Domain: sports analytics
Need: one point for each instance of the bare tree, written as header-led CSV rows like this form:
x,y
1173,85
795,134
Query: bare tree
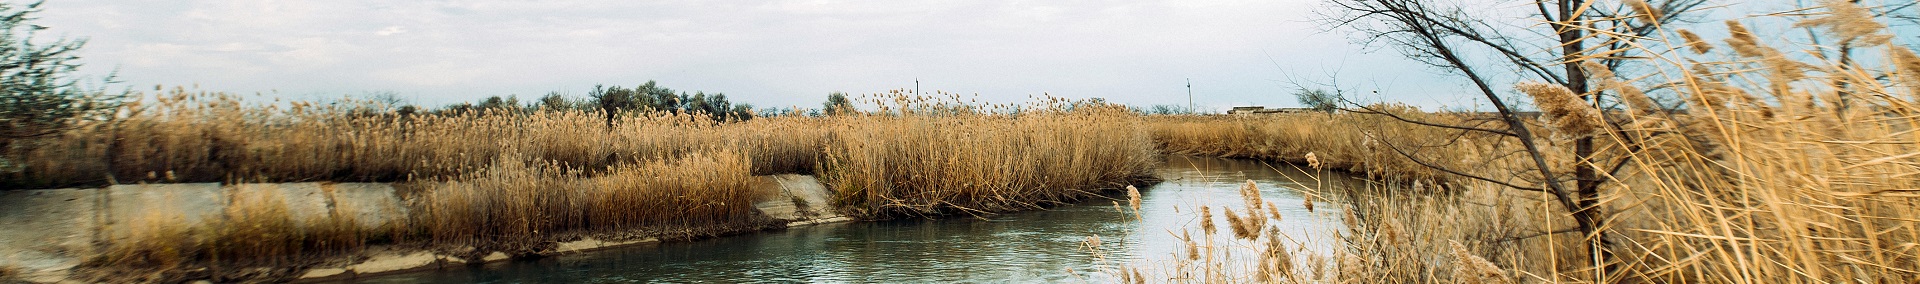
x,y
1548,44
38,96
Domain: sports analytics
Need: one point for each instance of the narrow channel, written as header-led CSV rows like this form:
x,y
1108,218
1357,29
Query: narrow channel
x,y
1038,246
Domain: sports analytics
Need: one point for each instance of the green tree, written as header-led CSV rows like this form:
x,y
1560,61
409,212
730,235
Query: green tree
x,y
612,100
496,103
555,101
837,104
1317,99
662,99
698,104
38,98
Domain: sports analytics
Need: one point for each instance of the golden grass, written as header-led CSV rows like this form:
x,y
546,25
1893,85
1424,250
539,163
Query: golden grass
x,y
1766,178
520,181
925,164
515,206
1331,139
187,136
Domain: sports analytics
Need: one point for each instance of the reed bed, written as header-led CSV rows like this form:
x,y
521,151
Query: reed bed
x,y
184,136
1343,141
932,160
517,206
518,180
1779,169
258,238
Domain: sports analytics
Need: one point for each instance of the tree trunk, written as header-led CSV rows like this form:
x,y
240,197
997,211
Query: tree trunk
x,y
1586,180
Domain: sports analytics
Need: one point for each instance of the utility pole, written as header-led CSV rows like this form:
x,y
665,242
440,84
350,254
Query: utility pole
x,y
1190,96
916,86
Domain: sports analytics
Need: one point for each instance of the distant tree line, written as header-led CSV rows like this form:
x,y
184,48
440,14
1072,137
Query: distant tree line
x,y
610,101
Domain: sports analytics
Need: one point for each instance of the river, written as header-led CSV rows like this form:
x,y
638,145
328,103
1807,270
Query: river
x,y
1038,246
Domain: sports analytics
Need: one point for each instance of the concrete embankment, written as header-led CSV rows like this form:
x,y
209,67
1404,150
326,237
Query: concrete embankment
x,y
48,233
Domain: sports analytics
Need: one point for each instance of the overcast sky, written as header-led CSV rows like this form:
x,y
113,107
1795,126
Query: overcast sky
x,y
768,53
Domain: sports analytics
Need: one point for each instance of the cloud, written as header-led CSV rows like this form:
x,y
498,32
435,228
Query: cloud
x,y
391,30
763,52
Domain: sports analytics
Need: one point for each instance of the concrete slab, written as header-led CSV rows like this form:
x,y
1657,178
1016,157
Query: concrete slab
x,y
817,221
305,202
818,198
185,204
772,200
323,273
495,256
373,205
394,262
590,244
43,233
792,197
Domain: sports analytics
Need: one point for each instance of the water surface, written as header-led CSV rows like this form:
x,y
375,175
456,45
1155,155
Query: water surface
x,y
1038,246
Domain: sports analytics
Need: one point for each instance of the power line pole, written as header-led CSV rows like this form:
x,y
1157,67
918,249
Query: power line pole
x,y
1190,96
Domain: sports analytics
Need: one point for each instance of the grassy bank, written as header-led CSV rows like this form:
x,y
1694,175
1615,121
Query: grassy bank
x,y
945,164
1778,170
518,181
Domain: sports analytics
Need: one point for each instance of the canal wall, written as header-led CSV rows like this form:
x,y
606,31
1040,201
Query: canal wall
x,y
46,234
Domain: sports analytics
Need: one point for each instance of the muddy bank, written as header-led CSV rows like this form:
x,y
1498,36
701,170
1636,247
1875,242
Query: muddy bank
x,y
61,235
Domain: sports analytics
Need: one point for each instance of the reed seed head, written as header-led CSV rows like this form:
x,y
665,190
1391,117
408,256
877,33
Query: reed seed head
x,y
1643,11
1907,65
1206,220
1699,46
1313,160
1850,22
1474,269
1743,41
1569,114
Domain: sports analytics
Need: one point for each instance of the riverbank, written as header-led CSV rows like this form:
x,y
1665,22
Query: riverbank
x,y
1035,246
1784,179
526,182
78,229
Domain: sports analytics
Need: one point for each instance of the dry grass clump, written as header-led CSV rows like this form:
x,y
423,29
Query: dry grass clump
x,y
1344,141
928,158
515,206
1776,170
257,229
182,136
518,181
155,239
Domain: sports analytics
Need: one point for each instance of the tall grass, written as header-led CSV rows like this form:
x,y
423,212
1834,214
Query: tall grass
x,y
930,160
519,182
1782,169
515,206
1334,139
183,136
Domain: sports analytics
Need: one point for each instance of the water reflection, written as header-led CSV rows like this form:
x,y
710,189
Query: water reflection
x,y
1040,246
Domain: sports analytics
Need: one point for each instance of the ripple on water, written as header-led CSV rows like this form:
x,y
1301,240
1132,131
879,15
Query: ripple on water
x,y
1022,247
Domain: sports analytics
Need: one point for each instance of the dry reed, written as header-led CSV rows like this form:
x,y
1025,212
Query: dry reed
x,y
519,181
1765,176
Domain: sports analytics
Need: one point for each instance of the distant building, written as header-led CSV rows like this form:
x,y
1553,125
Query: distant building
x,y
1265,110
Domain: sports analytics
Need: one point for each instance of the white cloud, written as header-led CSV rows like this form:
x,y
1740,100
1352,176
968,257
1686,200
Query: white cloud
x,y
764,52
391,30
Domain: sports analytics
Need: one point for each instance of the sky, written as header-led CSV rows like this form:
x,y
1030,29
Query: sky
x,y
767,53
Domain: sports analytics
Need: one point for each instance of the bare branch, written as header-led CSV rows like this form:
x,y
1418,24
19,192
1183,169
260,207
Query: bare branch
x,y
1424,163
1367,110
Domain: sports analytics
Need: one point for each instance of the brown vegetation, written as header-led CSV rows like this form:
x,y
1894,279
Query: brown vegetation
x,y
926,162
518,181
1778,171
